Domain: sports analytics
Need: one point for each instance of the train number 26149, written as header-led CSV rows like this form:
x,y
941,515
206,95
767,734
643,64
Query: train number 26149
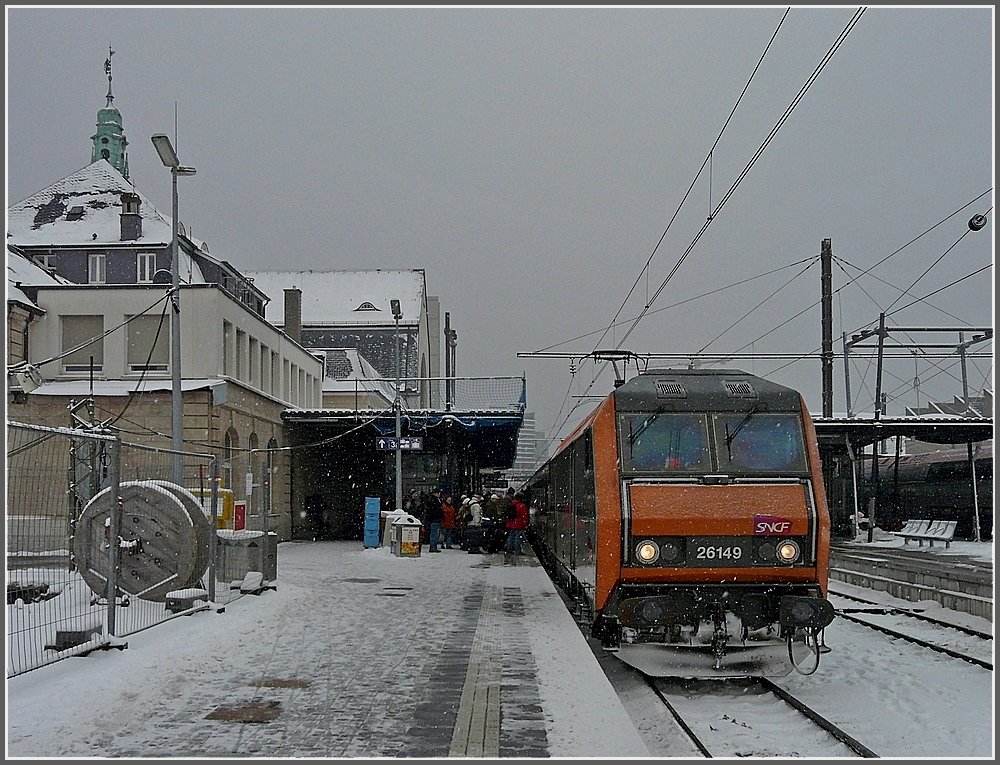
x,y
720,552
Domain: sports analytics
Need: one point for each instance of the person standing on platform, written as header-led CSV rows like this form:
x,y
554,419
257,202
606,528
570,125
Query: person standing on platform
x,y
462,517
433,515
448,522
516,526
494,530
474,529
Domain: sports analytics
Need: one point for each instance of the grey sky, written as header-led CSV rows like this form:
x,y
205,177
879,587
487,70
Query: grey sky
x,y
530,160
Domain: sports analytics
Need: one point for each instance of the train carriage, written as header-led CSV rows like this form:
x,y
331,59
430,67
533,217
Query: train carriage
x,y
687,515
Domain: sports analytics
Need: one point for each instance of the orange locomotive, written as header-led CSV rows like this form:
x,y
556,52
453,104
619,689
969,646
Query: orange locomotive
x,y
687,512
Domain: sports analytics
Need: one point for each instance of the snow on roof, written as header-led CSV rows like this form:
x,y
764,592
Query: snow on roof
x,y
44,219
347,370
24,271
117,387
344,297
47,217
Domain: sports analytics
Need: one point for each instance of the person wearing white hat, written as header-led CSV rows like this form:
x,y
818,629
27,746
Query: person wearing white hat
x,y
474,534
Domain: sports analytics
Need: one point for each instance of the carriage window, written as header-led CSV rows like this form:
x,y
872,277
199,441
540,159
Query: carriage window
x,y
754,442
666,442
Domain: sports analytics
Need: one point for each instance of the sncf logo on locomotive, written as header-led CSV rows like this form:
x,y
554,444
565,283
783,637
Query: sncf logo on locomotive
x,y
770,525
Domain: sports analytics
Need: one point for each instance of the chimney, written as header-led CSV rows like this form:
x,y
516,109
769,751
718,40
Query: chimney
x,y
293,313
131,220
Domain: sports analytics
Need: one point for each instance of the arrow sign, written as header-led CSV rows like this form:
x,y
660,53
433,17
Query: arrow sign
x,y
389,443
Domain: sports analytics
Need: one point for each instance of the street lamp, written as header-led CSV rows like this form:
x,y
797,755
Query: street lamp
x,y
397,314
169,158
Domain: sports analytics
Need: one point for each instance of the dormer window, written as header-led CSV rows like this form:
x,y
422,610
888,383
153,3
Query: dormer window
x,y
75,212
366,306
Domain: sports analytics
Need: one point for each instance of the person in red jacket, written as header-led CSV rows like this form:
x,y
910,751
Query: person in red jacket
x,y
516,526
448,522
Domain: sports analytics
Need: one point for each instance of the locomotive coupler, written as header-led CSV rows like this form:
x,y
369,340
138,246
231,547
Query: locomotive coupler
x,y
720,637
799,611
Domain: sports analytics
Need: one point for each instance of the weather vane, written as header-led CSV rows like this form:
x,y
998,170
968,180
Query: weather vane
x,y
107,71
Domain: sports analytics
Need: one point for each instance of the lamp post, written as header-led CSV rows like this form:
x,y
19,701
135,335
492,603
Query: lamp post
x,y
397,314
169,158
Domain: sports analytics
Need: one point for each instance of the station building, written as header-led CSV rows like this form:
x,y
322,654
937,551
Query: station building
x,y
292,394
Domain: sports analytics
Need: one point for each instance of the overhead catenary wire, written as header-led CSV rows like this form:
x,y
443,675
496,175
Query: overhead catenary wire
x,y
558,419
855,280
824,61
759,304
707,161
753,160
716,291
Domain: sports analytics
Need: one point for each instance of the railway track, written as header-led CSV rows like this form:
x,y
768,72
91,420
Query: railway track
x,y
941,636
751,717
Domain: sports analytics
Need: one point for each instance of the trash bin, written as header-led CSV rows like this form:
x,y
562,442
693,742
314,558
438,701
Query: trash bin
x,y
237,552
406,537
388,518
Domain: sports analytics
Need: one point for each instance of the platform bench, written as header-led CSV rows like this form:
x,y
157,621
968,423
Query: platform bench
x,y
929,531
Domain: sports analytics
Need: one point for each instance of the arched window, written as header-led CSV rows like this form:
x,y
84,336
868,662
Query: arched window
x,y
229,458
268,482
366,306
253,466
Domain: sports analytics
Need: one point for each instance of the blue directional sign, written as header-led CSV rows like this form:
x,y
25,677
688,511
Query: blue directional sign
x,y
405,443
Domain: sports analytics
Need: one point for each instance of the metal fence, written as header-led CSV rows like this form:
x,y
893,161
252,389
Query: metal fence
x,y
505,394
101,543
463,394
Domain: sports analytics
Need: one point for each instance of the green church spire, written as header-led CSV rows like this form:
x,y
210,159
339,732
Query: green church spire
x,y
109,140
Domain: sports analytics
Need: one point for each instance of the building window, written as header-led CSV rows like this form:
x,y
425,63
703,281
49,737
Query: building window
x,y
145,267
239,366
227,348
366,306
98,270
228,468
265,368
253,468
46,260
253,357
148,346
77,330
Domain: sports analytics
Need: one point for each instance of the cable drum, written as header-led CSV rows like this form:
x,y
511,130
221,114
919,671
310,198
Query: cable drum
x,y
164,540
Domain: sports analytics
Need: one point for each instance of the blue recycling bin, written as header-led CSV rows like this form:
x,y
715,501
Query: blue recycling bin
x,y
373,519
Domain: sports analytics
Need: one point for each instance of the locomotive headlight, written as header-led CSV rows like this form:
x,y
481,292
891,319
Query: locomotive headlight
x,y
788,551
647,551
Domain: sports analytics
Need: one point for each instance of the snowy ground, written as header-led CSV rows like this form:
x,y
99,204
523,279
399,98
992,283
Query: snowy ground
x,y
362,654
897,699
900,700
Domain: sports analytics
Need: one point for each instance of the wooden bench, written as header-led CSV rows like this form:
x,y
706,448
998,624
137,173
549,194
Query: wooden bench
x,y
929,531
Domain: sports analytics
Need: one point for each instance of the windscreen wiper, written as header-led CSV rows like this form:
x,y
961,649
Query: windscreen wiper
x,y
739,426
642,428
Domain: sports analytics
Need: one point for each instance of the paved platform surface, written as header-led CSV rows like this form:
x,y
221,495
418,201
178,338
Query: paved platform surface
x,y
356,654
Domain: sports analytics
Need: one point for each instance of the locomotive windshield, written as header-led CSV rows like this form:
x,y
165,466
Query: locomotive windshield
x,y
666,442
741,443
760,443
